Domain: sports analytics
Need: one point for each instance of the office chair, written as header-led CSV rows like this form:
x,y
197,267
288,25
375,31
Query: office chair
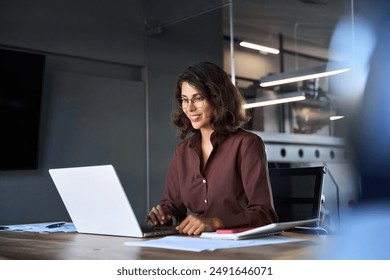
x,y
297,194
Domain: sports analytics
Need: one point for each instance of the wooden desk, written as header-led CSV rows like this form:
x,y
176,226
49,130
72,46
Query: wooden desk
x,y
74,246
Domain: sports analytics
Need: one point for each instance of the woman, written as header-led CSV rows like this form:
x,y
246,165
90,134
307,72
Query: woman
x,y
218,176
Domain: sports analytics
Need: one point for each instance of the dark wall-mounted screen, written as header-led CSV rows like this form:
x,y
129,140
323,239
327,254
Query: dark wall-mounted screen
x,y
21,81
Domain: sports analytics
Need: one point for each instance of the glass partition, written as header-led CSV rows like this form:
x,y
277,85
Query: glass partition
x,y
301,32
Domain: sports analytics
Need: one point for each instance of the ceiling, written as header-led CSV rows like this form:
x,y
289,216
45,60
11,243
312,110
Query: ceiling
x,y
309,22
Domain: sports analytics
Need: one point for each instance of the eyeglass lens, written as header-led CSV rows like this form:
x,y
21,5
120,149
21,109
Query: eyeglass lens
x,y
198,102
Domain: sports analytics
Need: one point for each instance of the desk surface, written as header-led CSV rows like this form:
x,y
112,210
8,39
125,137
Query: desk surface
x,y
75,246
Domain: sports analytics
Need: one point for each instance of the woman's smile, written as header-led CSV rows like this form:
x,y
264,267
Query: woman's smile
x,y
194,118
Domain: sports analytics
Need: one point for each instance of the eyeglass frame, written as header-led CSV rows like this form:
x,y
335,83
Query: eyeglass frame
x,y
185,100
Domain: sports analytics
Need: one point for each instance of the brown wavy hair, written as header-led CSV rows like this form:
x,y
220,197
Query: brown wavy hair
x,y
214,84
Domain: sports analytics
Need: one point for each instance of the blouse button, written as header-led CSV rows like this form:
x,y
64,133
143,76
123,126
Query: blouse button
x,y
204,181
205,201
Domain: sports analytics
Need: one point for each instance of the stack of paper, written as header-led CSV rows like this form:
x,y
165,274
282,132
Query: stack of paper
x,y
41,227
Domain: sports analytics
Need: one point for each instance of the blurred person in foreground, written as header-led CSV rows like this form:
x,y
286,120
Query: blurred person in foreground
x,y
365,234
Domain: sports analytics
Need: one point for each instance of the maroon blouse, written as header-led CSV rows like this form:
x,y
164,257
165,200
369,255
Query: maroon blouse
x,y
234,185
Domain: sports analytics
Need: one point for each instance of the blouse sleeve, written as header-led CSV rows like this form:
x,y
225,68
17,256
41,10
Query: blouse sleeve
x,y
172,202
255,177
253,167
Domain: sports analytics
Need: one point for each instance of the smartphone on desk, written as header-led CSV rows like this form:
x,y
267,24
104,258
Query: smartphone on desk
x,y
232,230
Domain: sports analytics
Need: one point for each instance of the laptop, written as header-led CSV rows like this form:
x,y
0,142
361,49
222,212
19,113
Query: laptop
x,y
97,204
267,230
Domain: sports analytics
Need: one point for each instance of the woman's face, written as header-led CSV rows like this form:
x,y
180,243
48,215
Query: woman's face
x,y
199,111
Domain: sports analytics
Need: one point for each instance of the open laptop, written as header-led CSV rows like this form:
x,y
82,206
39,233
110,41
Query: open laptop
x,y
97,203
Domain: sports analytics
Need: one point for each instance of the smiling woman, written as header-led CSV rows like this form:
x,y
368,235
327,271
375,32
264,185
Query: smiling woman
x,y
218,176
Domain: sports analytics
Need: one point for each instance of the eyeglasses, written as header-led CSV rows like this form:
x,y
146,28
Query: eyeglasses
x,y
197,101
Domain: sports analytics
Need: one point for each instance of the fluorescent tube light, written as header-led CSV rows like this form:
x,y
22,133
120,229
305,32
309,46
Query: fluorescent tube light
x,y
299,75
259,47
283,98
335,118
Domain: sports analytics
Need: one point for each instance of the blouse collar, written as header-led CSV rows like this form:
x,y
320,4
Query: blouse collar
x,y
215,138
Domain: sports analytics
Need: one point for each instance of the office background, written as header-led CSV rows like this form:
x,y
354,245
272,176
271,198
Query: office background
x,y
107,95
109,77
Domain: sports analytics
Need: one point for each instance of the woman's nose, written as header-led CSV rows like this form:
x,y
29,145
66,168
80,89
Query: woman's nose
x,y
191,106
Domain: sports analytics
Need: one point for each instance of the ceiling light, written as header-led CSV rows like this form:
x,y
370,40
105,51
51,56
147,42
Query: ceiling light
x,y
259,47
335,118
280,99
301,75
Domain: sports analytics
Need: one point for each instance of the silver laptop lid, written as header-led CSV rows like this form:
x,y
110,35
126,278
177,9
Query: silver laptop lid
x,y
96,201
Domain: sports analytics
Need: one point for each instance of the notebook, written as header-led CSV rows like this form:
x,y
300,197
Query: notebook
x,y
97,204
270,229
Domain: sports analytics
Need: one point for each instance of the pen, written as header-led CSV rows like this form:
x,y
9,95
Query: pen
x,y
55,225
3,228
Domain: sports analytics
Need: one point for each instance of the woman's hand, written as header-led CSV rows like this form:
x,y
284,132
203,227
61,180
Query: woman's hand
x,y
157,216
194,225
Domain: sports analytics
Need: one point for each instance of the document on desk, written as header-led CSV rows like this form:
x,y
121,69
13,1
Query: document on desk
x,y
41,227
196,244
